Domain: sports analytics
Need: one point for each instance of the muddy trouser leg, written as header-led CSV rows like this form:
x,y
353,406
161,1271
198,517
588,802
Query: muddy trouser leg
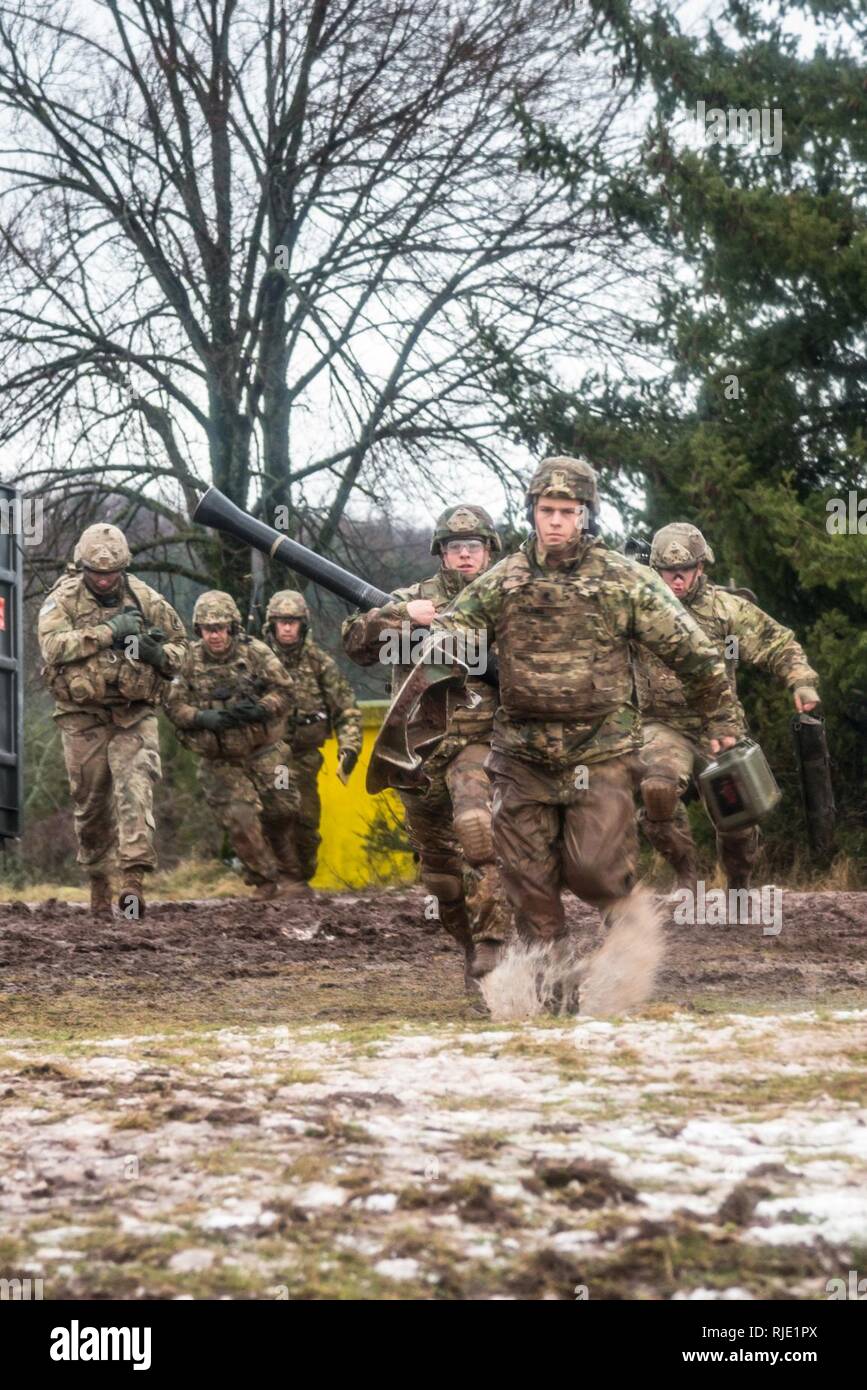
x,y
470,791
526,824
428,816
307,837
134,759
668,759
86,755
231,795
273,773
738,850
600,835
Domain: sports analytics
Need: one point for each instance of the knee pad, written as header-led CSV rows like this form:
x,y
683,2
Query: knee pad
x,y
660,797
473,829
447,888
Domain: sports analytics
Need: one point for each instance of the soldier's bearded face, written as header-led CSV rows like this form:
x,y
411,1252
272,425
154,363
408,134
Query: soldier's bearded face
x,y
216,637
469,557
557,520
287,631
681,581
102,583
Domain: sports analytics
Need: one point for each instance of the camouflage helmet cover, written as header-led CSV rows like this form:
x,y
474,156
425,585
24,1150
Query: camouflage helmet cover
x,y
287,603
679,546
215,607
561,476
103,548
461,521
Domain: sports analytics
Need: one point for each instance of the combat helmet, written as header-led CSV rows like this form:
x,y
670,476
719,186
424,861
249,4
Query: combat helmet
x,y
462,521
562,476
679,546
287,603
103,548
216,607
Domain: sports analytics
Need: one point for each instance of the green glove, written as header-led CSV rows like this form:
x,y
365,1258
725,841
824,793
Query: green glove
x,y
150,647
348,759
215,720
248,712
126,624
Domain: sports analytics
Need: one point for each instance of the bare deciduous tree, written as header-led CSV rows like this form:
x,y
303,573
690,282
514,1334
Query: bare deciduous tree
x,y
261,244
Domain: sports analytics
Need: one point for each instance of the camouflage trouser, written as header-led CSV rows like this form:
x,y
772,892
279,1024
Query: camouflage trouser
x,y
449,826
256,802
670,758
550,833
307,763
112,771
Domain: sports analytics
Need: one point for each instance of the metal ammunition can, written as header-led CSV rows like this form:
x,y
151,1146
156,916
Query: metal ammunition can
x,y
738,787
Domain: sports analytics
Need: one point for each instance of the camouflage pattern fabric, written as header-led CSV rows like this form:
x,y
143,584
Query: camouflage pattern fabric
x,y
449,819
553,832
563,762
256,802
248,670
324,703
319,689
669,760
563,632
104,707
83,671
247,773
363,635
722,616
112,772
740,631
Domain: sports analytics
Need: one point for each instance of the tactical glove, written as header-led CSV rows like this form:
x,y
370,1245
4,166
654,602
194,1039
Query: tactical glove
x,y
129,623
215,720
807,694
248,712
150,647
348,759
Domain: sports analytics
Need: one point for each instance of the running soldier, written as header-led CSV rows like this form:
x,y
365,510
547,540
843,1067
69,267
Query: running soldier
x,y
671,754
110,645
229,703
324,704
448,812
563,764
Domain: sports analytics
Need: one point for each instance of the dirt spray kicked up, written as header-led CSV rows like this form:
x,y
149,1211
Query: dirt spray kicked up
x,y
620,975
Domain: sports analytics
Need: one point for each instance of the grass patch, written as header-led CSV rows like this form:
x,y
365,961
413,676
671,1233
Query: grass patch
x,y
136,1119
557,1053
297,1076
662,1261
481,1144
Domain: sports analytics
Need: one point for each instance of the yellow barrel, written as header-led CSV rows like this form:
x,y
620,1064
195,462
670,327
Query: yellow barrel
x,y
361,834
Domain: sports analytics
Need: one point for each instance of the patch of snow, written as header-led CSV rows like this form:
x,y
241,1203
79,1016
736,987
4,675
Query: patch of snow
x,y
397,1269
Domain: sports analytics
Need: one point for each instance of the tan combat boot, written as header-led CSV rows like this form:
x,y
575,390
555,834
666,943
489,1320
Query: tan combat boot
x,y
265,890
100,896
131,900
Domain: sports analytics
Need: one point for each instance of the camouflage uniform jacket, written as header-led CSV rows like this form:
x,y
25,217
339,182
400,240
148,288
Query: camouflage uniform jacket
x,y
759,640
248,670
87,676
324,700
363,639
563,634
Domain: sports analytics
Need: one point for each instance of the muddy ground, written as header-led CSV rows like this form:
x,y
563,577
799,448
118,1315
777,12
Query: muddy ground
x,y
298,1100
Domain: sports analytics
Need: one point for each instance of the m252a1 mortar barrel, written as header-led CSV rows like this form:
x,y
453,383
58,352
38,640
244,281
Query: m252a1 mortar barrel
x,y
421,711
215,510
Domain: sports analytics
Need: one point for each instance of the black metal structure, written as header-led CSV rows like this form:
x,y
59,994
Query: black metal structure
x,y
11,666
